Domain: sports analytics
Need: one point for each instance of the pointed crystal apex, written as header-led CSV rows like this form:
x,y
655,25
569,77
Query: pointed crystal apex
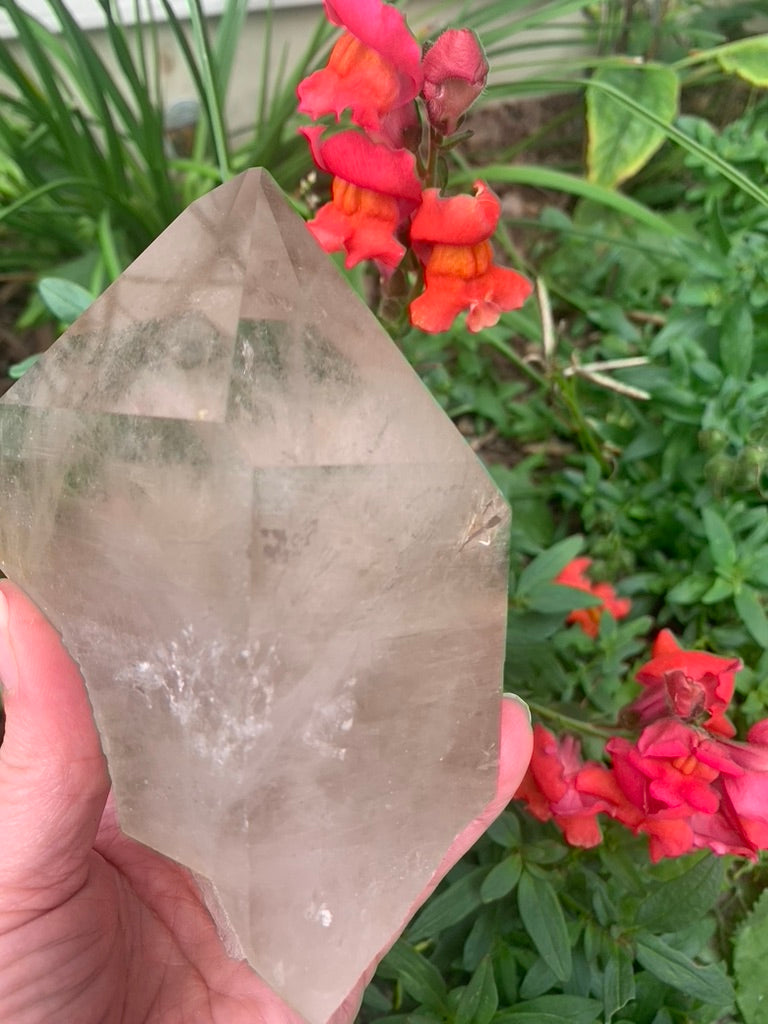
x,y
283,574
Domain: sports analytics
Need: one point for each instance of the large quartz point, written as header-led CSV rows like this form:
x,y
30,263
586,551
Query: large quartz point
x,y
282,573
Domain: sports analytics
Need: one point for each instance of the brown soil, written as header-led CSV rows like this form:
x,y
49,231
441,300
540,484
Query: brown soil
x,y
16,344
534,131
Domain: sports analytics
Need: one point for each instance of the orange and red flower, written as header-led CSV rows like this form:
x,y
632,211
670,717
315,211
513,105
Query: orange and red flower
x,y
373,70
551,788
692,685
714,790
451,237
574,575
375,188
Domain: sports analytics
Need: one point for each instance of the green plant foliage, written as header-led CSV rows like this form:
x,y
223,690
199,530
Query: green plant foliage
x,y
661,289
65,299
623,413
747,58
80,143
749,956
620,144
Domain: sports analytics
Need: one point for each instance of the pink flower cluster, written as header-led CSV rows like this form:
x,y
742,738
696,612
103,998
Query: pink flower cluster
x,y
683,781
381,200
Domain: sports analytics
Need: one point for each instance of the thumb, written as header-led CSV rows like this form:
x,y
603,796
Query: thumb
x,y
53,776
515,748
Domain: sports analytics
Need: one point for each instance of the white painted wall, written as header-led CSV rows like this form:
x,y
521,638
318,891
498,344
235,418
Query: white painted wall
x,y
293,23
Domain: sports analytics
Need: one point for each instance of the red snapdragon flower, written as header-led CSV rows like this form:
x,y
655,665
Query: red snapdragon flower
x,y
375,188
373,70
451,237
747,794
692,685
676,773
551,788
455,72
574,575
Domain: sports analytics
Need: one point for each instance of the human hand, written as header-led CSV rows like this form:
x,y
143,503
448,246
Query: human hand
x,y
94,927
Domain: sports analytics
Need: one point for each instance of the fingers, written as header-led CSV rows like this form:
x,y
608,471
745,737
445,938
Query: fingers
x,y
515,747
53,776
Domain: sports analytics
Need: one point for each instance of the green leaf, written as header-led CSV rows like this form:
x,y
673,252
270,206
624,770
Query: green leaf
x,y
748,58
548,564
525,1017
737,333
65,299
721,543
551,598
674,968
544,921
756,569
539,978
449,907
750,953
572,184
752,614
565,1008
620,144
482,939
506,972
618,982
502,878
505,830
719,591
19,369
683,900
691,589
420,978
480,998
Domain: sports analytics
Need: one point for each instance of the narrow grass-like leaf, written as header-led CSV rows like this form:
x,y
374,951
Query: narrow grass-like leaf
x,y
228,35
544,177
713,159
211,93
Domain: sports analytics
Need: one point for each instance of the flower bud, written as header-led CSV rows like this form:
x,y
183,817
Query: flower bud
x,y
455,71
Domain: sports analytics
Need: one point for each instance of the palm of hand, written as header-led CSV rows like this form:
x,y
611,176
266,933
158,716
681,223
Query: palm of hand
x,y
94,927
122,937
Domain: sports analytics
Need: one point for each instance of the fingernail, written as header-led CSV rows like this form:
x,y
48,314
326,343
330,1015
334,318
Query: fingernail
x,y
9,670
521,702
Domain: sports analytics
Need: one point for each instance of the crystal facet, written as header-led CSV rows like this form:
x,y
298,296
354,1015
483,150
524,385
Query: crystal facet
x,y
282,572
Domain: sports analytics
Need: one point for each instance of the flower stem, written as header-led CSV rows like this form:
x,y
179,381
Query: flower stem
x,y
507,351
574,724
582,428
